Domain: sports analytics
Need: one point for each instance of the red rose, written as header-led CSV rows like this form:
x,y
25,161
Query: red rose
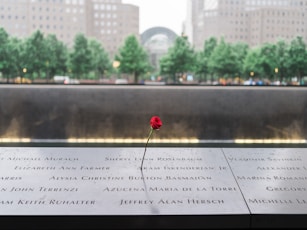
x,y
155,122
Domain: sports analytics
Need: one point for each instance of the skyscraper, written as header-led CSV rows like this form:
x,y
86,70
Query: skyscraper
x,y
108,21
252,21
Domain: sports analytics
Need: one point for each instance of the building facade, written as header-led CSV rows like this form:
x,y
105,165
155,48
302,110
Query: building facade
x,y
254,22
108,21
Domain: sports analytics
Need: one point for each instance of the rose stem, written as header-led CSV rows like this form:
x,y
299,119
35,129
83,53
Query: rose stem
x,y
150,133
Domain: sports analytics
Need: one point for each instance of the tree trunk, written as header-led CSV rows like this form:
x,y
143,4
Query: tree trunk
x,y
136,78
175,78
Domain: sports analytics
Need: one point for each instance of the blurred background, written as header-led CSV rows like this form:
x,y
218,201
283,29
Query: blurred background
x,y
195,42
90,71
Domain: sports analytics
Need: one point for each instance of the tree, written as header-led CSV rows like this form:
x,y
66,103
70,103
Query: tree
x,y
282,59
251,65
268,60
4,52
240,50
298,57
100,59
204,56
179,60
35,53
223,60
56,62
133,58
201,65
18,58
274,59
80,58
12,55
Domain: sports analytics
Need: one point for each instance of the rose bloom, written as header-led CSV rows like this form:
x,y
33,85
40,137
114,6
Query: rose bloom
x,y
155,122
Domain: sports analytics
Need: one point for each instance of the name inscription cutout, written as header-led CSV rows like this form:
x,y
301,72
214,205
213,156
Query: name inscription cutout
x,y
108,181
273,181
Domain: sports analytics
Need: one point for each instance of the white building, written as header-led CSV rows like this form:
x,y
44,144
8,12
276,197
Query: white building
x,y
109,21
254,22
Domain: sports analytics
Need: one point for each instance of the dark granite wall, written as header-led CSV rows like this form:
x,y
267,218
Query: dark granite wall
x,y
208,113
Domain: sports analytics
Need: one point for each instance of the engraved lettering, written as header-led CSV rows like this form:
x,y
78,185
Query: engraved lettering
x,y
163,201
123,189
135,202
20,189
196,201
145,178
67,168
279,168
24,158
91,168
190,168
301,201
61,178
71,202
32,202
73,159
49,189
100,178
179,159
270,201
187,178
7,178
286,189
6,202
35,168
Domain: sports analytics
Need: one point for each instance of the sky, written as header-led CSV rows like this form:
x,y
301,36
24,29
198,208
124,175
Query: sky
x,y
166,13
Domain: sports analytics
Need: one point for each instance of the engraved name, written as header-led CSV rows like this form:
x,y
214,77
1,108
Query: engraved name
x,y
10,178
162,201
286,189
85,178
44,159
184,178
142,189
279,168
55,202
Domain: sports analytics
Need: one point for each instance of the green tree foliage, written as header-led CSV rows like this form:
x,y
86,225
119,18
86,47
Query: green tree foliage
x,y
11,62
47,56
204,56
100,58
80,58
35,53
282,60
56,62
240,50
179,60
18,58
224,61
298,57
133,58
268,60
251,65
4,52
